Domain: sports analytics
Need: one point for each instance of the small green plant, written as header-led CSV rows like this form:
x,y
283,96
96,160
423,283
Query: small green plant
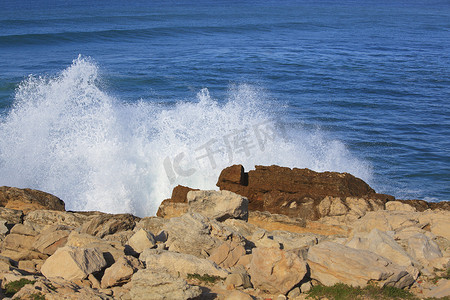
x,y
14,286
205,277
342,291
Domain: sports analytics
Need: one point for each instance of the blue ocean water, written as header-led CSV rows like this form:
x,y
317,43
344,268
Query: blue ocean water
x,y
108,105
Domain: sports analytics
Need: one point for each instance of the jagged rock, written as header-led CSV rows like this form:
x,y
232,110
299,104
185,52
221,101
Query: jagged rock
x,y
15,241
121,271
276,270
142,240
333,263
218,205
228,254
176,205
122,237
73,263
438,222
397,205
3,228
386,221
293,192
158,284
262,240
181,264
39,220
105,224
110,250
238,279
51,239
382,244
27,265
195,234
11,216
423,249
24,230
27,199
151,224
291,240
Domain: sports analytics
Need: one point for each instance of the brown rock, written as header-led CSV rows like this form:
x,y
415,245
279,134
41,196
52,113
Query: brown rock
x,y
27,199
105,224
176,205
294,192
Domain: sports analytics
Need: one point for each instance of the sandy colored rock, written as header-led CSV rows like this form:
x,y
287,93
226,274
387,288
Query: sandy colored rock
x,y
158,284
16,242
11,216
51,239
423,249
27,199
333,263
275,270
218,205
181,264
142,240
105,224
121,271
397,205
228,254
238,295
440,291
73,263
151,224
439,222
386,221
382,244
39,220
24,230
168,209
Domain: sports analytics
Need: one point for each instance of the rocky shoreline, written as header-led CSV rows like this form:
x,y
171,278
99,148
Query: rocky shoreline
x,y
271,233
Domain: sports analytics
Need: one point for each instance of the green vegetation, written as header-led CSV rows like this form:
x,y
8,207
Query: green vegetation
x,y
444,274
342,291
205,277
15,286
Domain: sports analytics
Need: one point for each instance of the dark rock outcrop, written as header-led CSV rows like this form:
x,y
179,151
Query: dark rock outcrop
x,y
293,192
27,200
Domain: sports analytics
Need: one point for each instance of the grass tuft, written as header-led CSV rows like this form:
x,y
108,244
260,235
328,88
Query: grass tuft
x,y
14,286
205,277
342,291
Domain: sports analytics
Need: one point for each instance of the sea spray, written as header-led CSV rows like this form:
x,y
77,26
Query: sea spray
x,y
66,136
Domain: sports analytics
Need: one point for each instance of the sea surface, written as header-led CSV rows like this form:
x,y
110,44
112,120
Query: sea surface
x,y
110,104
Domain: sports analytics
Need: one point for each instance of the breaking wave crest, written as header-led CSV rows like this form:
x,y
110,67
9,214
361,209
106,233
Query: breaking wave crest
x,y
66,136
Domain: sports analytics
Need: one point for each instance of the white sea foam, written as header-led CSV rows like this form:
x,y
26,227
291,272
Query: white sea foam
x,y
66,136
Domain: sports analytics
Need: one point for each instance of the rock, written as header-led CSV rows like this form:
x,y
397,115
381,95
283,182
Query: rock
x,y
333,263
27,200
11,216
3,228
141,240
397,205
238,280
110,250
39,220
440,291
122,237
291,240
295,292
293,192
380,243
228,254
194,234
121,271
181,264
24,230
276,270
306,287
105,224
439,222
238,295
51,239
169,209
386,221
155,284
218,205
27,265
423,249
262,240
151,224
73,263
15,241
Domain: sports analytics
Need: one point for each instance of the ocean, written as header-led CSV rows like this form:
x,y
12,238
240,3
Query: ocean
x,y
110,104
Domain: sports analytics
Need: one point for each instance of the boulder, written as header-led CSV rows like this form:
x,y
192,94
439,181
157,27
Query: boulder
x,y
158,284
73,263
382,244
27,200
181,264
228,254
423,249
105,224
176,205
142,240
397,205
121,271
438,222
275,270
333,263
294,192
51,239
151,224
39,220
218,205
11,216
